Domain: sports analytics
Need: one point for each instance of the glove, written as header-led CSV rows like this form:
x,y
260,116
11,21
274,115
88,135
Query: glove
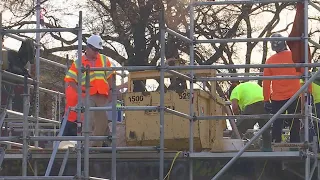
x,y
268,107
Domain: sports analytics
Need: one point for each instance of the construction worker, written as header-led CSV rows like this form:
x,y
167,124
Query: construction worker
x,y
314,127
278,92
71,101
247,98
99,85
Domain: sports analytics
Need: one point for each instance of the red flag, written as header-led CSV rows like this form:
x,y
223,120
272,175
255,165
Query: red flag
x,y
297,47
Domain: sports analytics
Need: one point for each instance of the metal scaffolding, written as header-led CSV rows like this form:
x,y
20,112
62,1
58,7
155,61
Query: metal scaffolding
x,y
83,139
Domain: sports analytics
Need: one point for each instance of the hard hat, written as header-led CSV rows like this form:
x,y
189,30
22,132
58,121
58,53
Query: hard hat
x,y
95,41
278,45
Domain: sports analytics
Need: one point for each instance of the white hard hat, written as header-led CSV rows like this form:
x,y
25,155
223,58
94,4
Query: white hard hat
x,y
95,41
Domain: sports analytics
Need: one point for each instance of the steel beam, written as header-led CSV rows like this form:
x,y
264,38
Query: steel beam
x,y
14,78
66,138
173,72
129,155
239,74
247,40
177,113
257,116
25,132
18,114
314,5
191,102
128,68
64,162
182,37
79,91
37,178
283,154
15,144
2,117
86,131
2,155
37,73
56,145
161,85
1,60
129,148
114,129
15,31
240,66
95,178
247,78
317,45
305,36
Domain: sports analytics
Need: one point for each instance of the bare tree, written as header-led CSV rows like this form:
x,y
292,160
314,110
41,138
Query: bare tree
x,y
130,29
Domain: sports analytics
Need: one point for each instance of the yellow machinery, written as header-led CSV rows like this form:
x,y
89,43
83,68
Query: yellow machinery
x,y
142,127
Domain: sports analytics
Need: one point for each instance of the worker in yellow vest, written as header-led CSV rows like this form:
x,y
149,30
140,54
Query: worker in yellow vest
x,y
247,99
99,85
316,96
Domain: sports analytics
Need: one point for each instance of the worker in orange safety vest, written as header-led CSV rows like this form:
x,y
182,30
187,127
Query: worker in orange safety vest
x,y
99,87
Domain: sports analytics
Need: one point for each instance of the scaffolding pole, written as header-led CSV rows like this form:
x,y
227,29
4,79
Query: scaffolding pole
x,y
56,138
37,178
247,39
162,107
36,89
191,105
79,91
25,128
307,99
56,145
114,128
267,125
1,60
247,78
5,31
213,66
87,120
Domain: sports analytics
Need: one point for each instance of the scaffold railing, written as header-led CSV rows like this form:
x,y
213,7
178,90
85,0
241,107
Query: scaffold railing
x,y
161,108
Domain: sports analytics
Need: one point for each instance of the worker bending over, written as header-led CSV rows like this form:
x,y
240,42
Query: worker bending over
x,y
99,85
278,92
248,97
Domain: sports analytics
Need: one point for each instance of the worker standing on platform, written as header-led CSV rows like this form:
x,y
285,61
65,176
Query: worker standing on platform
x,y
248,97
71,101
99,85
278,92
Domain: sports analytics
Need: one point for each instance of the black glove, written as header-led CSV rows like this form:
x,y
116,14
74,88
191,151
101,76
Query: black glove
x,y
268,107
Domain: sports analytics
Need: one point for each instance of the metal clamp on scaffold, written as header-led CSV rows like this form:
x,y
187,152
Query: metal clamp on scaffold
x,y
79,127
186,154
83,69
27,138
159,108
194,118
159,67
76,109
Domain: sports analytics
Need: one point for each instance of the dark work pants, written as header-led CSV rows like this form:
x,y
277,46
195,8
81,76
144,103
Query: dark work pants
x,y
70,129
244,124
278,124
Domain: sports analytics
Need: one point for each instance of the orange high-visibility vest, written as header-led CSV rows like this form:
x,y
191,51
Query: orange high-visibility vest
x,y
98,79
